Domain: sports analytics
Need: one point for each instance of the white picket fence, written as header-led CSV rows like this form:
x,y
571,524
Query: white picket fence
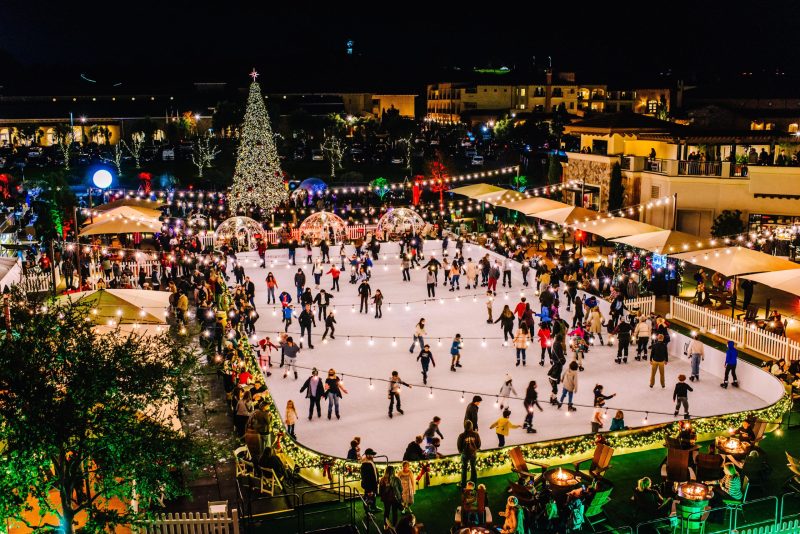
x,y
37,282
785,527
646,305
747,336
273,237
195,523
96,269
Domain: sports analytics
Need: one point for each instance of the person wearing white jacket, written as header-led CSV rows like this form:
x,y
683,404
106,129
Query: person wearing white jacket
x,y
472,273
696,355
506,390
642,333
419,335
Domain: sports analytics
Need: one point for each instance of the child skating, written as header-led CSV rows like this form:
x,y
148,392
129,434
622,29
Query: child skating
x,y
506,390
455,353
425,358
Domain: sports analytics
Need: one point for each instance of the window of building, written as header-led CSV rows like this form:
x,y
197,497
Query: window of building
x,y
572,105
484,89
572,90
522,106
793,127
522,92
495,89
652,106
655,191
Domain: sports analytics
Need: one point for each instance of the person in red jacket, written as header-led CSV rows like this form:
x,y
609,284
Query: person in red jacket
x,y
545,341
519,309
334,272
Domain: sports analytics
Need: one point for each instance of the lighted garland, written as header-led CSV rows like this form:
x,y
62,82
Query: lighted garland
x,y
497,458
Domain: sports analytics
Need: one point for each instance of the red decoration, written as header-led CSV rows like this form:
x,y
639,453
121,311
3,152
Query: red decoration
x,y
416,191
145,179
424,471
327,466
277,445
439,181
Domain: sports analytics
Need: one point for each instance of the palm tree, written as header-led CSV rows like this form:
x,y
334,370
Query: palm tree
x,y
100,131
30,133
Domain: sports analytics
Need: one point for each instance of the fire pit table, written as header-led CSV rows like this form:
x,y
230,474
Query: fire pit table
x,y
734,447
562,480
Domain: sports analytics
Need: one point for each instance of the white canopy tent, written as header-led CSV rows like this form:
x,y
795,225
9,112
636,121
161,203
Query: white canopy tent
x,y
10,271
533,205
787,280
735,261
127,212
663,241
123,225
476,190
568,215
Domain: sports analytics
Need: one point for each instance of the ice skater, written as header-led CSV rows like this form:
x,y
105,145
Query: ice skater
x,y
394,392
545,342
506,390
681,396
521,341
503,425
531,401
642,333
419,335
425,358
377,300
696,355
455,353
330,320
364,292
731,359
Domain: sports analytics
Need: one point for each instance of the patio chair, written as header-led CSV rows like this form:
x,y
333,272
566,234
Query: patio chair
x,y
676,468
601,461
750,315
737,505
244,467
472,515
793,482
709,467
269,481
519,465
795,462
595,514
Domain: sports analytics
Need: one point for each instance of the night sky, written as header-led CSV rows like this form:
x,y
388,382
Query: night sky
x,y
302,45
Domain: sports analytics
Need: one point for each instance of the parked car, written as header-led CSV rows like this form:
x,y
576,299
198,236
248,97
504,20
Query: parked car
x,y
299,154
470,153
477,161
397,159
168,153
316,155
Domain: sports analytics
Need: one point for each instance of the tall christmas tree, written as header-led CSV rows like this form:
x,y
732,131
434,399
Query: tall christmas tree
x,y
257,180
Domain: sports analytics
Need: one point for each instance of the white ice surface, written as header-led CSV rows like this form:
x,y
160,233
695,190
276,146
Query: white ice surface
x,y
365,411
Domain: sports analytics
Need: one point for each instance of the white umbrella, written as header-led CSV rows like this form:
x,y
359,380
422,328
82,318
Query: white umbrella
x,y
734,261
788,280
121,225
531,206
664,241
475,190
568,215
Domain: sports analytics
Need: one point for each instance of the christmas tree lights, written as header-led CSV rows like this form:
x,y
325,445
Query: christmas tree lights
x,y
258,179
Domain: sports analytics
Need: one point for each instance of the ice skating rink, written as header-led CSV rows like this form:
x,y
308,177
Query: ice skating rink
x,y
376,347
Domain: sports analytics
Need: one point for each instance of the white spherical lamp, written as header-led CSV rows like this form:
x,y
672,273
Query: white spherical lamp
x,y
102,179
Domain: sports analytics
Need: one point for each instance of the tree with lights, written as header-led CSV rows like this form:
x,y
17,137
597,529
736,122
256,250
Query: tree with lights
x,y
203,153
85,420
64,138
334,152
258,179
135,148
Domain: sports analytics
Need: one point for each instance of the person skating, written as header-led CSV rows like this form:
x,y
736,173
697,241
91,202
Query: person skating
x,y
696,352
494,275
455,353
299,282
595,321
405,264
545,342
330,320
315,390
659,357
335,273
306,319
419,335
364,292
290,351
425,358
333,390
433,430
455,276
471,414
290,418
531,401
681,396
322,300
642,333
433,266
471,272
569,385
503,425
377,299
394,392
507,272
521,341
506,321
506,390
599,398
731,359
489,303
272,285
577,317
623,332
430,282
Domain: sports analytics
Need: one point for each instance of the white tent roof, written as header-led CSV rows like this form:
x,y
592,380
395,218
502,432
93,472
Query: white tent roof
x,y
568,215
733,261
788,280
127,212
134,306
533,205
664,241
10,271
124,225
476,190
616,227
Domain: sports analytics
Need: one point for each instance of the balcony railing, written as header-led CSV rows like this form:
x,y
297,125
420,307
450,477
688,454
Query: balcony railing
x,y
656,165
739,170
699,168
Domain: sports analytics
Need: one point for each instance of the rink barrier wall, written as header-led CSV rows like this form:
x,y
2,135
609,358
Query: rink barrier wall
x,y
745,336
320,468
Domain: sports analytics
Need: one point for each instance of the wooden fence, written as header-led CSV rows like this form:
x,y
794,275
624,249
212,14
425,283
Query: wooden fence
x,y
273,237
723,325
195,523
